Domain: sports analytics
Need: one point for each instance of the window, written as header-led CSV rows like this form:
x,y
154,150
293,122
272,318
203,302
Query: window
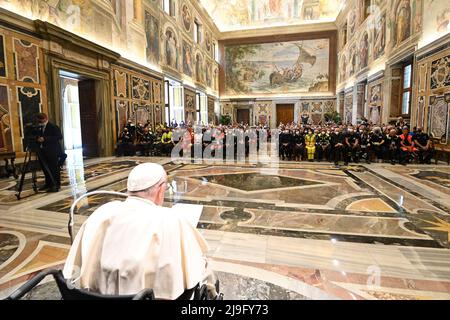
x,y
169,7
216,51
174,101
202,107
406,89
197,32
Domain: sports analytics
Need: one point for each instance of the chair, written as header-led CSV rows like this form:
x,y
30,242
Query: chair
x,y
69,292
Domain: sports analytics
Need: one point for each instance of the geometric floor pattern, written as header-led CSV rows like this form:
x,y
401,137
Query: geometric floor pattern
x,y
295,231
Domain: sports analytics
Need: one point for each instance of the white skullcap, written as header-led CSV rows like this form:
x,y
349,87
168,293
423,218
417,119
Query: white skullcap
x,y
145,176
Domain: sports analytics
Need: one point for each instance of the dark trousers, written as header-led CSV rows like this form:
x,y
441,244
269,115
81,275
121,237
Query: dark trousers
x,y
425,155
393,154
285,151
323,151
351,153
336,153
298,151
377,151
50,166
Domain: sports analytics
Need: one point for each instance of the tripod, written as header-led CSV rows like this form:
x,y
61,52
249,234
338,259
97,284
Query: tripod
x,y
27,164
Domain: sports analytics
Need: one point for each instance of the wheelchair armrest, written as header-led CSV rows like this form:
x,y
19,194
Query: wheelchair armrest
x,y
30,284
146,294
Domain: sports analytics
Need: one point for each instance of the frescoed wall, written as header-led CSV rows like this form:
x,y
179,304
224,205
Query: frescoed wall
x,y
246,14
139,30
291,67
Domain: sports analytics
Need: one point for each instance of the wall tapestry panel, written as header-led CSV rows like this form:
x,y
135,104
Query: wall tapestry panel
x,y
152,37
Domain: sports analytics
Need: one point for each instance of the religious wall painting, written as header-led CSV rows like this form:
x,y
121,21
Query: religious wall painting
x,y
402,15
364,51
171,48
26,58
351,23
342,68
353,61
2,56
120,84
187,59
29,104
141,88
277,67
208,75
186,17
439,118
199,68
216,79
208,41
440,73
379,43
152,38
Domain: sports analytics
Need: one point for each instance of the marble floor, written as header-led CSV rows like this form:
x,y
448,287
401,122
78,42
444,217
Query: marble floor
x,y
295,231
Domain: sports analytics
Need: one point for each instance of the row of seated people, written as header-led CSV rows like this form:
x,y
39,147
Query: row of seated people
x,y
364,142
350,144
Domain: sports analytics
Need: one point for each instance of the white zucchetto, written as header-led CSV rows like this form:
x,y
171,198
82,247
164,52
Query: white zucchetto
x,y
145,176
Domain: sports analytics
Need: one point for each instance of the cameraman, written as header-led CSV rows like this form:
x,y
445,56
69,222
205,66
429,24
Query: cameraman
x,y
48,138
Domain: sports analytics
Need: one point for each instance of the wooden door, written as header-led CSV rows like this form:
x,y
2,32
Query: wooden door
x,y
88,118
285,113
243,115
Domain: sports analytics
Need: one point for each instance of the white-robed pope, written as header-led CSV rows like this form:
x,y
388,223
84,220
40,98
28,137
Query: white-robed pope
x,y
127,246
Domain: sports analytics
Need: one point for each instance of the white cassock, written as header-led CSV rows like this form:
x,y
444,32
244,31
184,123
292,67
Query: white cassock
x,y
125,247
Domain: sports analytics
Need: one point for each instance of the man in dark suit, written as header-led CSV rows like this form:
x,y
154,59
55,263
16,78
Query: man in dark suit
x,y
50,150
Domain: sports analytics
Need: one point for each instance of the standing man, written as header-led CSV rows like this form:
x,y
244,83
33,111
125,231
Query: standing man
x,y
50,149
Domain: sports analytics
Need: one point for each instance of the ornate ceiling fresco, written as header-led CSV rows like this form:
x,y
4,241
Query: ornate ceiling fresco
x,y
231,15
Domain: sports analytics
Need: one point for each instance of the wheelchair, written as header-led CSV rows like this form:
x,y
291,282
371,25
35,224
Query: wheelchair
x,y
69,292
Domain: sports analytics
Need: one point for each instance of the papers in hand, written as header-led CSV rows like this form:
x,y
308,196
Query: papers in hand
x,y
191,212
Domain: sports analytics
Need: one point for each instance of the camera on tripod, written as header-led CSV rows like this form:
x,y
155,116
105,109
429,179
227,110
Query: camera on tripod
x,y
31,134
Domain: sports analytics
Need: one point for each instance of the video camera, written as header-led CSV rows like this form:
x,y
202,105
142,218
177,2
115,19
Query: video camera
x,y
31,133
